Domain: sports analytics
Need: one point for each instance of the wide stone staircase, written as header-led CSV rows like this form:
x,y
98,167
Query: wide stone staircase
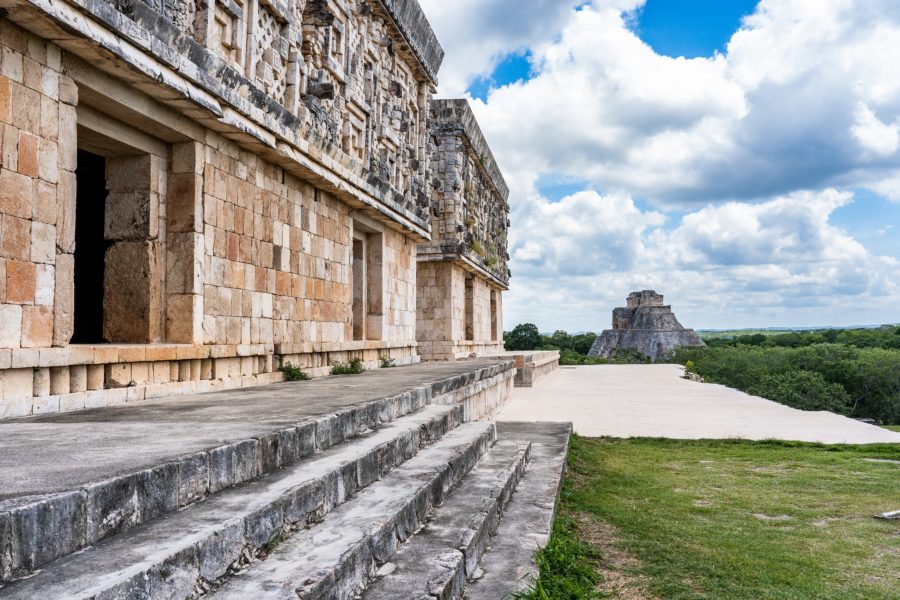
x,y
384,485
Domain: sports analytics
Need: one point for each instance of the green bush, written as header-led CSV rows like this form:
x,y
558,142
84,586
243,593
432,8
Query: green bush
x,y
570,357
843,378
354,367
805,390
387,362
629,356
292,373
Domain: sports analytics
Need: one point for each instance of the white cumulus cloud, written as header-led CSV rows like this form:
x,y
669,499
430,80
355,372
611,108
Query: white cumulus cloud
x,y
739,160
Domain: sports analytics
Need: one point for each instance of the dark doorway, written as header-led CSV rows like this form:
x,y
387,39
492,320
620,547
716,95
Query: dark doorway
x,y
359,290
470,308
90,247
494,315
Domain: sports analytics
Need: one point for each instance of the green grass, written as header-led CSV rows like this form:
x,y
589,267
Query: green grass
x,y
892,427
735,519
566,565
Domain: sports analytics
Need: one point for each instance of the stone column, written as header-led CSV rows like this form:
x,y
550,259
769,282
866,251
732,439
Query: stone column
x,y
185,245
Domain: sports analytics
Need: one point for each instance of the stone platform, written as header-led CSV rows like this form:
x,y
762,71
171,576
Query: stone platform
x,y
656,401
316,484
531,365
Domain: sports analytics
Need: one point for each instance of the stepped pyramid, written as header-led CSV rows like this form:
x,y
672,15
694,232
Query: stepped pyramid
x,y
647,325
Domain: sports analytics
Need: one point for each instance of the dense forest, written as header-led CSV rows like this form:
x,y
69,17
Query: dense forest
x,y
854,372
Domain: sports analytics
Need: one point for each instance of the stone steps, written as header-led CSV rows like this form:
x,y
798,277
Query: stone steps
x,y
73,480
181,553
46,527
439,559
336,558
314,494
509,565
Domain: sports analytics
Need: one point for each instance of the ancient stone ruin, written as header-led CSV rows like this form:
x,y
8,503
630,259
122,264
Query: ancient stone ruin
x,y
646,325
463,270
196,194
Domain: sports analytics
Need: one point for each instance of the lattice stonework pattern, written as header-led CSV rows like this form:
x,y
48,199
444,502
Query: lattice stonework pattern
x,y
333,64
275,51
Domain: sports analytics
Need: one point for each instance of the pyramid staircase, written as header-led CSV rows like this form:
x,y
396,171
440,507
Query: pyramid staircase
x,y
405,496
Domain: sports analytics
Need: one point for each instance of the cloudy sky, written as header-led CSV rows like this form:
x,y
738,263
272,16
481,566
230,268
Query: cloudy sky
x,y
740,157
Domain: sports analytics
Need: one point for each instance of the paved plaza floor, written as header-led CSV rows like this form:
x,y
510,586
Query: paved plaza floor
x,y
655,401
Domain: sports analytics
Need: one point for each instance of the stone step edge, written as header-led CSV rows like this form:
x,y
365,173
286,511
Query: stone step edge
x,y
225,539
510,565
457,382
349,574
444,576
36,530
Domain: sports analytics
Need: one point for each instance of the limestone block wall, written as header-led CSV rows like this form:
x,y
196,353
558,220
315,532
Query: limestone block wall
x,y
37,164
469,199
221,257
455,320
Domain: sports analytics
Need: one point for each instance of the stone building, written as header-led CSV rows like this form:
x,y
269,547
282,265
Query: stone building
x,y
195,191
463,270
647,325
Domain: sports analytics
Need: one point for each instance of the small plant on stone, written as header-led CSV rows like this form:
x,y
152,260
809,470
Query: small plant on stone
x,y
477,248
292,373
354,367
387,362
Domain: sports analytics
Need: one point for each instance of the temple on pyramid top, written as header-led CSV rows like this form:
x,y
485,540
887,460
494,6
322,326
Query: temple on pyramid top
x,y
645,324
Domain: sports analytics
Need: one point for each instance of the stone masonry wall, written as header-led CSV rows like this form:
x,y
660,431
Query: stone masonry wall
x,y
221,264
470,221
441,318
469,200
37,164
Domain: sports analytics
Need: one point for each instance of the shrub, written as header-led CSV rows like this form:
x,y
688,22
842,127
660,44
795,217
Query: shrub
x,y
844,378
292,373
354,367
387,362
630,356
570,357
805,390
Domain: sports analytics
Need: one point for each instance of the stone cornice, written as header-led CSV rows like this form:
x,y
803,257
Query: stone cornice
x,y
413,25
456,116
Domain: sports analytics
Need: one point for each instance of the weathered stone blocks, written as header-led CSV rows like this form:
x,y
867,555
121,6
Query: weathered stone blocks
x,y
131,293
38,532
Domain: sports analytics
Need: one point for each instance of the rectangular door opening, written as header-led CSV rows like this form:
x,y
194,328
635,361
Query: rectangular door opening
x,y
359,290
90,247
470,308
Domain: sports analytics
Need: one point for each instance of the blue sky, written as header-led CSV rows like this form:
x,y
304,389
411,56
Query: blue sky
x,y
742,158
690,28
